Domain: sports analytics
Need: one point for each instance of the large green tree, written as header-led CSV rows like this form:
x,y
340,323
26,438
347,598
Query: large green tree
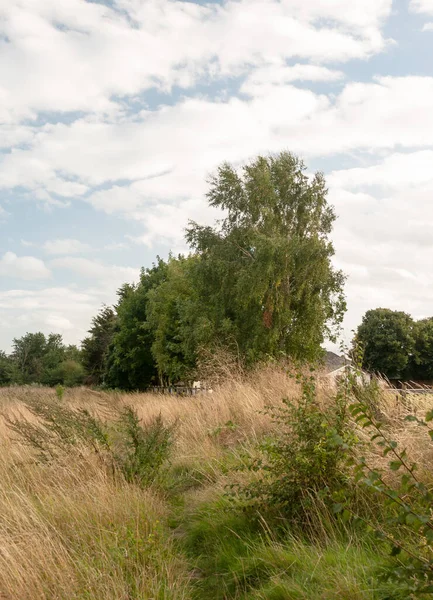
x,y
265,278
387,338
260,284
28,355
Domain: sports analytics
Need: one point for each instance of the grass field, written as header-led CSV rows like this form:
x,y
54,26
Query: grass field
x,y
74,527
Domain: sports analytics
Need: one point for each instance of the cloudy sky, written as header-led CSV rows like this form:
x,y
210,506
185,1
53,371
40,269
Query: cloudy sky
x,y
112,114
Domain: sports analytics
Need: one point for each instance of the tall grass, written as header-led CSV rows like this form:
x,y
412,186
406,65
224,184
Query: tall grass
x,y
72,528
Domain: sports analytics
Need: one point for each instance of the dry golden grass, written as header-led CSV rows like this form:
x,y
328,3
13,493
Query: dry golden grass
x,y
70,530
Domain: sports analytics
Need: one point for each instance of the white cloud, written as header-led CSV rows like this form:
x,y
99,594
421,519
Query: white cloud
x,y
70,55
57,322
422,6
108,274
62,310
396,170
23,267
383,236
166,223
65,246
261,80
39,176
170,151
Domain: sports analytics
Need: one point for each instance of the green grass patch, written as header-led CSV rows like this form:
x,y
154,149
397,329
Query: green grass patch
x,y
238,558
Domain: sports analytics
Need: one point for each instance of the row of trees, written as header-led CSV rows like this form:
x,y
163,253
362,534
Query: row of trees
x,y
260,284
395,345
39,359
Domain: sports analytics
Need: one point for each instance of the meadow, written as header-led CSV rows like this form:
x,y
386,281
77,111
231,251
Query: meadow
x,y
115,516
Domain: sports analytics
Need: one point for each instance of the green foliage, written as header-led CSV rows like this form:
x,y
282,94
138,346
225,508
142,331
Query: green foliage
x,y
408,524
423,355
7,370
69,373
39,359
60,391
95,346
306,458
131,364
28,354
146,448
172,310
261,284
265,276
388,342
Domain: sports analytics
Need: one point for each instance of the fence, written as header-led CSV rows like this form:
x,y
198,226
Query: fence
x,y
177,390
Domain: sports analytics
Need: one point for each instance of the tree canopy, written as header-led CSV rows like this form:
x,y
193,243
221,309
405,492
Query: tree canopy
x,y
387,338
265,274
37,358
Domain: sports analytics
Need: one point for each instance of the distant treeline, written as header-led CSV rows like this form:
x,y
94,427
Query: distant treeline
x,y
259,285
39,359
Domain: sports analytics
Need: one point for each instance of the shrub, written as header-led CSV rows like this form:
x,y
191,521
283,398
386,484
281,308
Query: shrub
x,y
137,450
70,373
144,448
305,457
407,525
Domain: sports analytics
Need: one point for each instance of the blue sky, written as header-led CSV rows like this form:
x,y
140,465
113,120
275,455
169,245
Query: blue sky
x,y
113,114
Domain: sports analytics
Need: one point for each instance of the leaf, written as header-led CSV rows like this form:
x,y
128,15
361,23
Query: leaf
x,y
346,516
395,551
355,410
412,519
394,465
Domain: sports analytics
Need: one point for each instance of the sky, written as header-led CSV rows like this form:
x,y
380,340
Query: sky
x,y
113,114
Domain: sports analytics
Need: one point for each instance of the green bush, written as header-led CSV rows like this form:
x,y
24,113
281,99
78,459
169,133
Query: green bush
x,y
70,373
406,501
305,458
143,448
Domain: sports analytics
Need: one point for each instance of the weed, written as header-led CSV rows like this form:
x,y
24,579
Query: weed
x,y
144,447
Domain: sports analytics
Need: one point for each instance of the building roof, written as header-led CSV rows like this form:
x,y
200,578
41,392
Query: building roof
x,y
332,361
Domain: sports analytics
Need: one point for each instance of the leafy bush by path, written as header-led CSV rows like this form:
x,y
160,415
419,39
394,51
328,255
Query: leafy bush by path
x,y
406,500
305,456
